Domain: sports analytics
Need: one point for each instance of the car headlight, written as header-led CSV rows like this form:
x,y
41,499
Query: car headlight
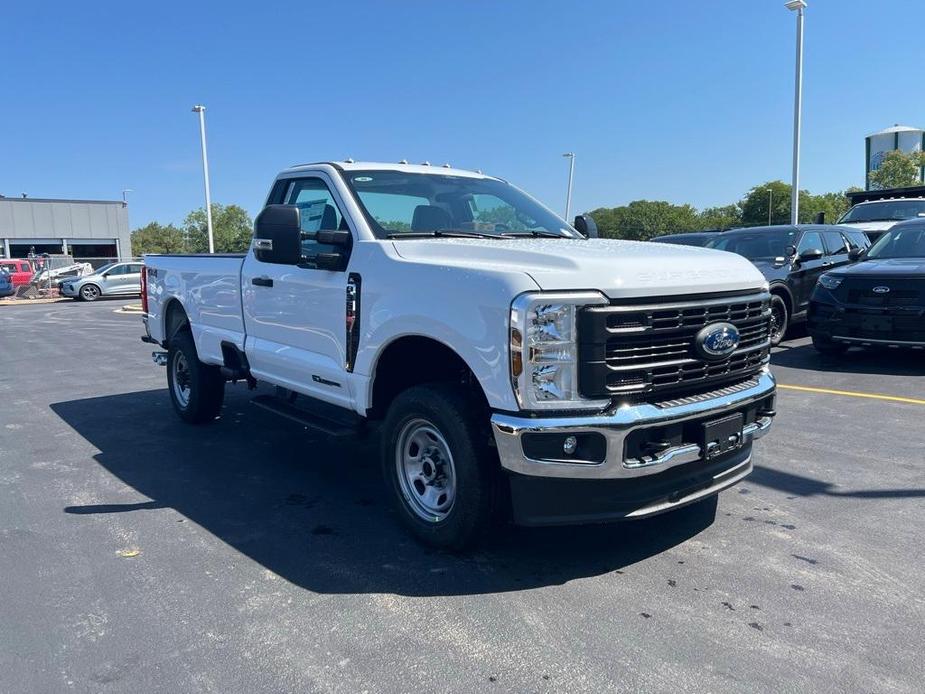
x,y
830,281
544,350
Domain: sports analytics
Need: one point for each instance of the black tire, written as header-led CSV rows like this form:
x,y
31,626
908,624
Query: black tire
x,y
826,346
459,424
196,389
89,292
780,319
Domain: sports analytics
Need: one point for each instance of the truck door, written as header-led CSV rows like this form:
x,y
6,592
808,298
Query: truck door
x,y
294,316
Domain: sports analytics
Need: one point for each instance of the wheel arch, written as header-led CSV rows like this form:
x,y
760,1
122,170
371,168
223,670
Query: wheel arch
x,y
411,360
175,319
783,291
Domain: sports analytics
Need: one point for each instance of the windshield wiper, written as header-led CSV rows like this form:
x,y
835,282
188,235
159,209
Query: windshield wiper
x,y
535,233
441,233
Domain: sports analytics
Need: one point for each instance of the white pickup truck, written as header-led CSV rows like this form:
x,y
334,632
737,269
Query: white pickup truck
x,y
511,364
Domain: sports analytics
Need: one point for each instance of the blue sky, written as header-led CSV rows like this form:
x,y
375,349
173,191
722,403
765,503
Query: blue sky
x,y
679,101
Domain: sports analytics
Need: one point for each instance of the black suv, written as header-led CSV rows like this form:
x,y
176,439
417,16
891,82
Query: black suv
x,y
879,301
792,258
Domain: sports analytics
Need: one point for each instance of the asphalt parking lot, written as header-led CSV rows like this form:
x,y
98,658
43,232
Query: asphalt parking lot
x,y
140,554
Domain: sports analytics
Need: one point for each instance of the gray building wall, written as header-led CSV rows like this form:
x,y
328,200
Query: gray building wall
x,y
65,224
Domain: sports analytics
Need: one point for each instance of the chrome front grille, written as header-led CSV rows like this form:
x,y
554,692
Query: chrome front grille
x,y
638,350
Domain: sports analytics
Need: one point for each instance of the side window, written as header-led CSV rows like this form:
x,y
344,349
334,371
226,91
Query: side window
x,y
117,270
319,211
835,243
134,269
858,239
811,240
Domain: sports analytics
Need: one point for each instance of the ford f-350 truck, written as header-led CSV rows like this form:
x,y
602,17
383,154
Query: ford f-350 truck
x,y
511,364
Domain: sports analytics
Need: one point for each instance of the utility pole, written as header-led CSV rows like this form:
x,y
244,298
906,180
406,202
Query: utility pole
x,y
201,110
797,6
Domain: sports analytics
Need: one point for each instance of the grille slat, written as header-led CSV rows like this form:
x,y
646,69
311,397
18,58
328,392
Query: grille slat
x,y
648,351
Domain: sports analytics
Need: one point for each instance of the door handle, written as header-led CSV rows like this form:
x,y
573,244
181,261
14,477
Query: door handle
x,y
262,281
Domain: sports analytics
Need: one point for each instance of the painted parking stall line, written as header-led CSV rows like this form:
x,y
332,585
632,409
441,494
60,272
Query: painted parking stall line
x,y
852,394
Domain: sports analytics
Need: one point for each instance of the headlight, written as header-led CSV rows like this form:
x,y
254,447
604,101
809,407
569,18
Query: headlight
x,y
830,281
544,350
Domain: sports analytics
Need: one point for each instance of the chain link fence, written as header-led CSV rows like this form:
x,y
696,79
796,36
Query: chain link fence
x,y
40,276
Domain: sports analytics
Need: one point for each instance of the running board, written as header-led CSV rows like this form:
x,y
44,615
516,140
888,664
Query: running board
x,y
329,423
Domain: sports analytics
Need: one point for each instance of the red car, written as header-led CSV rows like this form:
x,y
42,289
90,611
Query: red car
x,y
20,270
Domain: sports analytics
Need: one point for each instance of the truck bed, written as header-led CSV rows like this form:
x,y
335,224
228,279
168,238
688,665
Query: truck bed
x,y
208,288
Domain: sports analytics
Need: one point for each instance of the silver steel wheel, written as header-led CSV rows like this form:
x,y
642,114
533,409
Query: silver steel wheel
x,y
425,470
181,379
89,292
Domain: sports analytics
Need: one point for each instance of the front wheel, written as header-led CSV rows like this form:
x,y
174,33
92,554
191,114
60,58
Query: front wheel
x,y
780,319
437,466
196,389
89,292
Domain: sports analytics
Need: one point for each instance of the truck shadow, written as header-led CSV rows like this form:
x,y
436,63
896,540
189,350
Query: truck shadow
x,y
313,512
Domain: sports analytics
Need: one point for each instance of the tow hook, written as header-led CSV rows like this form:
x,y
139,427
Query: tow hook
x,y
159,358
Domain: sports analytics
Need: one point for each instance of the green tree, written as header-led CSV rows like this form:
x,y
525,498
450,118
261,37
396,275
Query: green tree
x,y
774,193
723,217
640,220
157,238
232,229
898,170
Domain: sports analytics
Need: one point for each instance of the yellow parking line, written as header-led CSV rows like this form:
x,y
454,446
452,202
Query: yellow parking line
x,y
853,394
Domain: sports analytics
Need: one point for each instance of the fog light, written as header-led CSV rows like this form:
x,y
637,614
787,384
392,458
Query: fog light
x,y
570,445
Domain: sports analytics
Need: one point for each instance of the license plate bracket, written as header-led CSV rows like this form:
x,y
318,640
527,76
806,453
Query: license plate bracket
x,y
877,324
722,436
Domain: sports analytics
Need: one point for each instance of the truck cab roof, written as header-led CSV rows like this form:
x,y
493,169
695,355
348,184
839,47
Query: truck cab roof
x,y
386,166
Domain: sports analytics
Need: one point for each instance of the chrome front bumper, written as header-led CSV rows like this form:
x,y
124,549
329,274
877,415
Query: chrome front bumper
x,y
616,425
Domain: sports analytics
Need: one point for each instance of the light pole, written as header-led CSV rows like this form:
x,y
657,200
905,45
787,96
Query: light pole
x,y
797,6
126,190
571,174
201,110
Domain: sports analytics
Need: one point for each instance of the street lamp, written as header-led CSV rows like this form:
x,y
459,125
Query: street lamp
x,y
201,110
124,191
797,6
571,174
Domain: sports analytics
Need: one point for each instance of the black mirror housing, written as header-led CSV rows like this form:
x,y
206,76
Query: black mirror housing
x,y
586,226
810,254
856,254
278,235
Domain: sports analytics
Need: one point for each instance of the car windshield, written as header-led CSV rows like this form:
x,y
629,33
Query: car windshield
x,y
900,243
885,211
756,245
413,204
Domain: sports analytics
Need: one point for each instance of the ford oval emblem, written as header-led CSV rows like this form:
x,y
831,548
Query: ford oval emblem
x,y
881,290
717,340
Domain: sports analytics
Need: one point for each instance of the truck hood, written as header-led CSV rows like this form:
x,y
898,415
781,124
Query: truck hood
x,y
617,268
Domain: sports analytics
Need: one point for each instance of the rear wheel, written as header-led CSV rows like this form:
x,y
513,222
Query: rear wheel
x,y
437,466
780,319
89,292
196,389
826,346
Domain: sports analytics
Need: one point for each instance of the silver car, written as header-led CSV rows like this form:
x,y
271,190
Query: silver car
x,y
115,279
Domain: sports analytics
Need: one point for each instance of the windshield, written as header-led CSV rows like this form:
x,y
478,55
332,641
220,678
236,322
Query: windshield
x,y
900,243
398,203
756,245
886,211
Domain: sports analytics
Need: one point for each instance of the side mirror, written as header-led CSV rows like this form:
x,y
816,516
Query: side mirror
x,y
278,235
855,254
586,226
820,218
810,254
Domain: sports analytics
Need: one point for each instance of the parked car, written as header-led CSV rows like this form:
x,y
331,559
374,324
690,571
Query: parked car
x,y
115,279
876,217
693,238
507,359
878,301
791,258
6,283
20,270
